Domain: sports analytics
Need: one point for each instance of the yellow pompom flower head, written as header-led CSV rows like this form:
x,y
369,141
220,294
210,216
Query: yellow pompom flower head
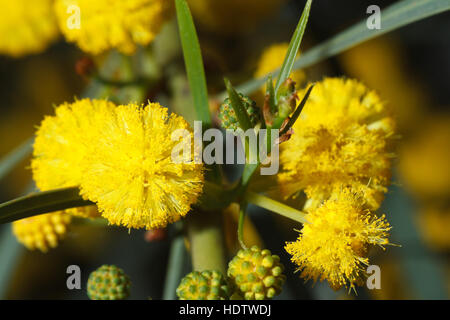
x,y
26,27
120,157
341,138
333,245
101,25
130,173
42,232
61,145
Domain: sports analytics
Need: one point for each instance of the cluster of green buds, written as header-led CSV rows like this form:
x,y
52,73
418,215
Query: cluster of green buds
x,y
240,112
253,274
108,283
205,285
228,117
256,274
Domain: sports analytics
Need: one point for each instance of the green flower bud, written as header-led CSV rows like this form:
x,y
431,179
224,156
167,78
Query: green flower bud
x,y
228,117
108,283
256,274
287,98
205,285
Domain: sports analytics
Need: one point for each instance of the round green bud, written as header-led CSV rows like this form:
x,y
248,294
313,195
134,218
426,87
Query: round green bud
x,y
256,274
228,117
108,283
205,285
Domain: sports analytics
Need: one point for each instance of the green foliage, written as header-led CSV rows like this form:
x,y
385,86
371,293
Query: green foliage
x,y
40,203
395,16
193,61
238,111
294,46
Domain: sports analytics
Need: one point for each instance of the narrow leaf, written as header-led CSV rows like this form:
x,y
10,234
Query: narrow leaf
x,y
297,111
270,90
294,46
193,61
40,203
238,106
395,16
14,157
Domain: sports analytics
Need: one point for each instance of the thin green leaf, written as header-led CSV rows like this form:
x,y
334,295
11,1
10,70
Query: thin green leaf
x,y
270,90
238,106
176,266
193,61
240,232
297,111
14,157
294,46
395,16
40,203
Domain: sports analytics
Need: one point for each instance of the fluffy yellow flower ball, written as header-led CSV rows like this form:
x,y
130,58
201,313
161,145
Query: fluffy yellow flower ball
x,y
26,27
341,138
43,231
121,158
108,24
62,142
61,145
130,173
272,58
333,245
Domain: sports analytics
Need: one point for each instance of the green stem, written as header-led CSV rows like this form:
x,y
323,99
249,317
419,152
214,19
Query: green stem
x,y
242,209
275,206
175,267
206,240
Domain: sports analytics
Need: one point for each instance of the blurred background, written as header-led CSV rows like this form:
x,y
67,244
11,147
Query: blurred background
x,y
409,68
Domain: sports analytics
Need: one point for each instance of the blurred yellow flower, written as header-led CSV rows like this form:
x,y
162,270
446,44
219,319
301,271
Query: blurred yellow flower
x,y
340,139
424,159
43,231
435,225
272,58
108,24
379,59
26,27
232,16
333,245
